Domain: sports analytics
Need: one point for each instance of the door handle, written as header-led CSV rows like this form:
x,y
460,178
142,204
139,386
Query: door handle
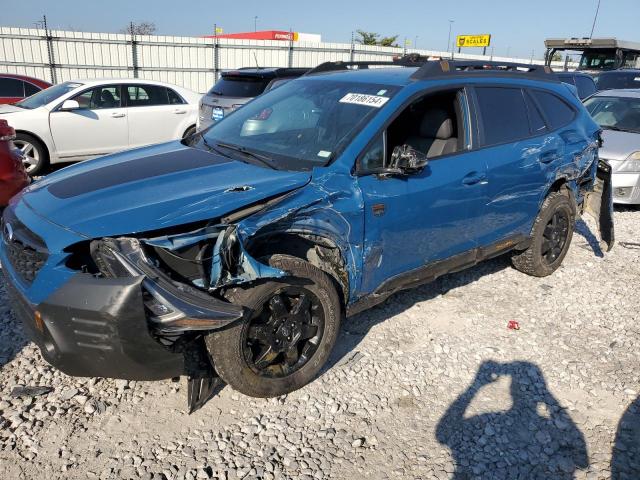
x,y
117,114
474,178
179,111
548,157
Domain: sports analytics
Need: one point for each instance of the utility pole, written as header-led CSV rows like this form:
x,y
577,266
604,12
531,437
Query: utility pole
x,y
415,43
593,27
255,23
451,22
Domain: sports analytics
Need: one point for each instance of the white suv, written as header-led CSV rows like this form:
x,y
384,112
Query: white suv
x,y
77,120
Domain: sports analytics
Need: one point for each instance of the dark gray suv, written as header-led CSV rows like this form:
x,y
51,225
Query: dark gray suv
x,y
237,87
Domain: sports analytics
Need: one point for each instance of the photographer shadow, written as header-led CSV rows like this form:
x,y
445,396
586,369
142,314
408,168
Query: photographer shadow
x,y
625,458
534,439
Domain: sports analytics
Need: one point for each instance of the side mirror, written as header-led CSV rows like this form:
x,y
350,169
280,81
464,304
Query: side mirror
x,y
406,159
69,105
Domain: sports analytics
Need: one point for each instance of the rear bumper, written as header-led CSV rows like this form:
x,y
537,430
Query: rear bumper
x,y
100,327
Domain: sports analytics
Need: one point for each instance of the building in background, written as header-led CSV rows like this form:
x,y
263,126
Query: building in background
x,y
272,35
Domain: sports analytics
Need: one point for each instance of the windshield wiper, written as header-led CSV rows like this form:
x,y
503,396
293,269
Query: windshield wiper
x,y
237,148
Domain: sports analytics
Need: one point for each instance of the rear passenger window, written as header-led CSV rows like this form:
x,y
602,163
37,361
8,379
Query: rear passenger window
x,y
557,112
146,95
503,113
535,118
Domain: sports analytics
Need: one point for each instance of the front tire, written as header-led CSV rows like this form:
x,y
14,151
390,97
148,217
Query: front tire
x,y
551,237
289,335
35,154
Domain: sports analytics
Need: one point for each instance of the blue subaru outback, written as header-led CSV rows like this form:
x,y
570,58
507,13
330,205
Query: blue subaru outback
x,y
234,254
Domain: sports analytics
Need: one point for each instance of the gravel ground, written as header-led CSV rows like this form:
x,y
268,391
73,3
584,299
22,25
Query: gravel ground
x,y
430,385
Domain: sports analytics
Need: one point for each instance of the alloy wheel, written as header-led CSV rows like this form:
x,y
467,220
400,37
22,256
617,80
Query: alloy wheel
x,y
285,334
30,154
555,236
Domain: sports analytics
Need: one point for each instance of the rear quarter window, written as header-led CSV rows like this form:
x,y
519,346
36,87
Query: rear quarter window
x,y
503,113
557,112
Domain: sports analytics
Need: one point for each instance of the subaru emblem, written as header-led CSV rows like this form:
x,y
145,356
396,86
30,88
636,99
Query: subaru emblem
x,y
8,230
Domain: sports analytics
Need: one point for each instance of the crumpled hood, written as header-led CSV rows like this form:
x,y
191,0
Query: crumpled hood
x,y
152,188
619,145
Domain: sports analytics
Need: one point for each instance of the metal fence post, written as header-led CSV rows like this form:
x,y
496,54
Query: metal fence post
x,y
50,53
352,52
290,48
134,52
216,54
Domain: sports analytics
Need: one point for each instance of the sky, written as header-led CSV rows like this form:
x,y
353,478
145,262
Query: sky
x,y
518,27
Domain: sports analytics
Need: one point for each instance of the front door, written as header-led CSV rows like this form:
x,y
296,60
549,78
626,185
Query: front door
x,y
98,127
428,216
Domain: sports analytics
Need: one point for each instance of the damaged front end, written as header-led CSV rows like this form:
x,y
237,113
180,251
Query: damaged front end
x,y
180,278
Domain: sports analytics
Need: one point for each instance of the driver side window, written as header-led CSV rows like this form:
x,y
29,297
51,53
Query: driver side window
x,y
100,97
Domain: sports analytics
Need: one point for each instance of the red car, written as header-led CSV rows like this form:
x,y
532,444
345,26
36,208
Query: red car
x,y
13,176
14,88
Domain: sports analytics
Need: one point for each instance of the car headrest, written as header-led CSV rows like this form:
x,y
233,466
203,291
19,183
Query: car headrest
x,y
436,123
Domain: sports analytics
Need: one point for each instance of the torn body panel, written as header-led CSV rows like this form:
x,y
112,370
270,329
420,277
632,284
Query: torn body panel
x,y
598,202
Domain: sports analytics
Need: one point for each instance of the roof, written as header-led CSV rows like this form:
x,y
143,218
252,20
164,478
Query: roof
x,y
402,71
588,43
111,81
399,76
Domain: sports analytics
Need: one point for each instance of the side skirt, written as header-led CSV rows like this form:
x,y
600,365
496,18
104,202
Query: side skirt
x,y
432,271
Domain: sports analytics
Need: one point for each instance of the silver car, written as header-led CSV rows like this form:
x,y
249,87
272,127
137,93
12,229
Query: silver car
x,y
618,113
237,87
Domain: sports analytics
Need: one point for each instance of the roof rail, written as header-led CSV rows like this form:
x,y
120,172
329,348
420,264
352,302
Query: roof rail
x,y
409,60
478,67
443,68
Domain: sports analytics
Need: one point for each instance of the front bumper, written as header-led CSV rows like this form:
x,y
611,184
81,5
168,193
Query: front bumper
x,y
626,188
101,327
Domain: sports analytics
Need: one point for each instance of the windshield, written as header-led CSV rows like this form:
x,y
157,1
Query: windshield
x,y
229,86
598,60
615,113
302,124
46,96
618,79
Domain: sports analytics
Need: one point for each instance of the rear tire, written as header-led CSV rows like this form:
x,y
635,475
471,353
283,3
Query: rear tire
x,y
551,237
35,153
261,357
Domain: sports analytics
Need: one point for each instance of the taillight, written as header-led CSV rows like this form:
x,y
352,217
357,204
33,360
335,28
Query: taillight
x,y
6,132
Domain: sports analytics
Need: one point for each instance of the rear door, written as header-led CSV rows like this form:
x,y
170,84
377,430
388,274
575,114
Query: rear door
x,y
98,127
156,114
522,155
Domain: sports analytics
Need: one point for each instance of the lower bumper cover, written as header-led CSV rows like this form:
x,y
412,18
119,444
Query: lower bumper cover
x,y
95,327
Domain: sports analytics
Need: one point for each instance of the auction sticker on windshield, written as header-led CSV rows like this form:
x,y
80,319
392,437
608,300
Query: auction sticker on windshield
x,y
363,99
